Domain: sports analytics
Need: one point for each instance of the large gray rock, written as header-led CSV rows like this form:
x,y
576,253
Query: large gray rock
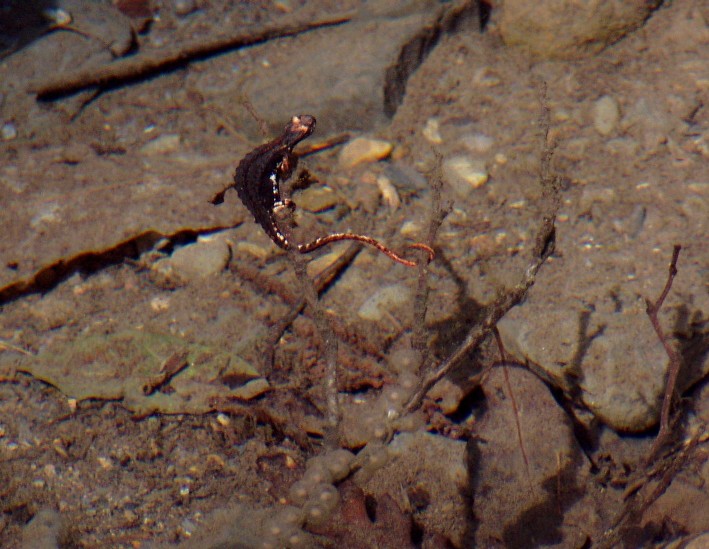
x,y
607,354
527,488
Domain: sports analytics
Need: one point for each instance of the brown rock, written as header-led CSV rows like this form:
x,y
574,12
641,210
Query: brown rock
x,y
565,30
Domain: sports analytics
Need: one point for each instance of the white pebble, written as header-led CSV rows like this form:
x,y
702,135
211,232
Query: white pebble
x,y
465,174
364,150
385,299
478,142
389,194
432,131
8,131
410,228
161,145
606,114
184,7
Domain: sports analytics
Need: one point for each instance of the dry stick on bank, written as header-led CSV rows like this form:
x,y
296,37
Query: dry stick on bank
x,y
144,65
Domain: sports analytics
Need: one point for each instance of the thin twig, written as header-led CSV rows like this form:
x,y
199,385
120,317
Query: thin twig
x,y
144,65
5,346
652,310
513,400
436,217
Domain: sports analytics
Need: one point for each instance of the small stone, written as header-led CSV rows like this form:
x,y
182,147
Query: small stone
x,y
501,159
483,245
649,122
184,7
58,17
486,77
410,228
694,207
319,264
105,463
623,146
255,250
576,148
592,195
8,132
162,145
606,115
699,187
160,304
364,150
286,6
389,194
252,389
10,179
631,225
384,300
317,199
465,174
478,142
206,257
188,527
432,131
48,214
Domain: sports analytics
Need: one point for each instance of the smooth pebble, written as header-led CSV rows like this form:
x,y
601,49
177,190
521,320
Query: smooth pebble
x,y
606,115
162,145
364,150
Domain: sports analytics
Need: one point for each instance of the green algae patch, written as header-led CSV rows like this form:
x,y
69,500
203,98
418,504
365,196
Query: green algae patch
x,y
134,366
